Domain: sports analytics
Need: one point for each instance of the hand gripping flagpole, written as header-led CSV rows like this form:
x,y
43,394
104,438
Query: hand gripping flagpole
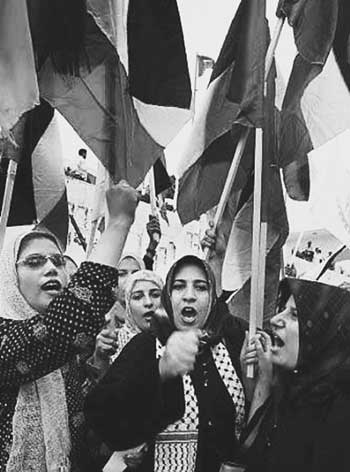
x,y
243,140
259,236
99,201
153,199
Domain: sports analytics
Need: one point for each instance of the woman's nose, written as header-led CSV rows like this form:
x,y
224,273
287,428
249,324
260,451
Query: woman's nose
x,y
50,268
148,302
278,320
189,293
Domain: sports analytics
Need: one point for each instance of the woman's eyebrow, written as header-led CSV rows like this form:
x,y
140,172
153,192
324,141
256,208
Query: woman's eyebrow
x,y
137,292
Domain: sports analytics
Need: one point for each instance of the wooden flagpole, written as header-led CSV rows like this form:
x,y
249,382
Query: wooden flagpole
x,y
243,140
153,199
97,211
6,203
228,183
259,236
194,95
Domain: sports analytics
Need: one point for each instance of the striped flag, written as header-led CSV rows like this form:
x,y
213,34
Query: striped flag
x,y
39,192
133,94
19,88
317,100
233,101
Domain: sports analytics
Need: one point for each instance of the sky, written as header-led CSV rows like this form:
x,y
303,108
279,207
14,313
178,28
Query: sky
x,y
205,24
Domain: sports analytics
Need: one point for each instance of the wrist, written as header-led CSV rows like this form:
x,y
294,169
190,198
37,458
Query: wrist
x,y
264,382
164,371
121,221
150,252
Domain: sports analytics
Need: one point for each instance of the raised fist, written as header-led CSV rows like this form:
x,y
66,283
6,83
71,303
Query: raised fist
x,y
122,200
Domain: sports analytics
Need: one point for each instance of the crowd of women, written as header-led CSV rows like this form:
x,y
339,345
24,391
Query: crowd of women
x,y
114,369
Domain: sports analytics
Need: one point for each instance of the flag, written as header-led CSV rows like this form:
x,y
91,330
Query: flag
x,y
161,177
19,88
234,100
236,268
329,186
133,93
316,103
204,63
39,195
237,264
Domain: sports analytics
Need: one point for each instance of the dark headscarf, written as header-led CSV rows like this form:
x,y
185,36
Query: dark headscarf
x,y
324,331
218,311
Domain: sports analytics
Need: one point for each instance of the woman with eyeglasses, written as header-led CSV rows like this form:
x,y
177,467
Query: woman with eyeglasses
x,y
44,324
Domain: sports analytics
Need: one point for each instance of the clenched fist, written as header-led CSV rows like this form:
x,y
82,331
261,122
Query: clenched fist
x,y
122,200
180,354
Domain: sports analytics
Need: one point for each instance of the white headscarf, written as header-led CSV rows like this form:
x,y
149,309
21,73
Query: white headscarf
x,y
131,255
130,328
41,439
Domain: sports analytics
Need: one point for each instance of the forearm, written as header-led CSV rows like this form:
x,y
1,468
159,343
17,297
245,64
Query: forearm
x,y
261,394
110,246
32,348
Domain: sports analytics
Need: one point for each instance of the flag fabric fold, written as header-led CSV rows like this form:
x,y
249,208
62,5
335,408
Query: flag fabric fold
x,y
315,106
237,264
39,191
16,63
233,101
133,94
329,190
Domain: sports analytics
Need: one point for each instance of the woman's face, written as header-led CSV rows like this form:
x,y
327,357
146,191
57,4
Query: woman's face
x,y
285,327
190,297
144,302
40,279
126,267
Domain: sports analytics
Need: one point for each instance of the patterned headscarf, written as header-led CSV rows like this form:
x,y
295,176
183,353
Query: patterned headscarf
x,y
40,423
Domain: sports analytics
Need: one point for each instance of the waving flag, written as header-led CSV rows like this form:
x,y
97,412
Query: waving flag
x,y
39,192
19,88
133,94
234,100
317,101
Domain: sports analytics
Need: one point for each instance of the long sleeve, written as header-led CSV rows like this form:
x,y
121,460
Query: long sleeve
x,y
32,348
131,404
331,451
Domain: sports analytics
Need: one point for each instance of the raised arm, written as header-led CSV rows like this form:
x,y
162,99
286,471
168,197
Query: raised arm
x,y
32,348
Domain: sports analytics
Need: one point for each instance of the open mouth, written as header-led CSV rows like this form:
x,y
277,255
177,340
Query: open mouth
x,y
52,286
188,315
148,316
277,341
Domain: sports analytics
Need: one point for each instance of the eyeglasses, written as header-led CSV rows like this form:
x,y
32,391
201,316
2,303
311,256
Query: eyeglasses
x,y
36,261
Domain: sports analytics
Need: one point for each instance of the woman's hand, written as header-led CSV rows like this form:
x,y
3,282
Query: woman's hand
x,y
265,367
106,343
134,457
257,352
122,200
179,354
213,240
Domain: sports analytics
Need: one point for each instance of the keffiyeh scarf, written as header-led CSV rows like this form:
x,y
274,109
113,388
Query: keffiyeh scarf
x,y
176,446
